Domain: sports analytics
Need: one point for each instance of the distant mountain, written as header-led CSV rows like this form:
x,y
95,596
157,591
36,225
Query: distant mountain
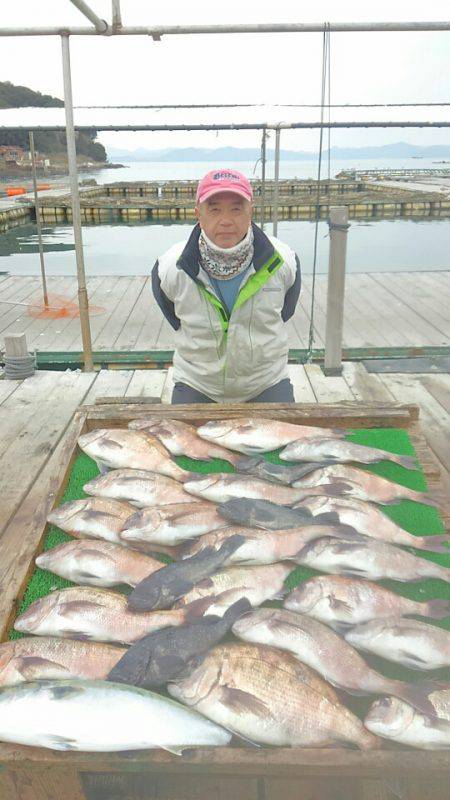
x,y
48,142
224,154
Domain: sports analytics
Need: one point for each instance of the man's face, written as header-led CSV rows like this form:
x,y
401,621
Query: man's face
x,y
225,218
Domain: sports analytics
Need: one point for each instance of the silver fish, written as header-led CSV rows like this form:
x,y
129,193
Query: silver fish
x,y
311,642
181,439
97,716
407,641
92,563
340,451
222,486
40,657
340,479
267,547
269,697
139,487
344,602
368,520
224,588
393,719
92,517
99,615
172,524
116,448
259,435
368,559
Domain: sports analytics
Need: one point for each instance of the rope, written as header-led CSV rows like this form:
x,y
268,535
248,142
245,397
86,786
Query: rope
x,y
325,74
19,367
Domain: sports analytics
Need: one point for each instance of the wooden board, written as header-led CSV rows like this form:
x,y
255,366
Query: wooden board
x,y
233,772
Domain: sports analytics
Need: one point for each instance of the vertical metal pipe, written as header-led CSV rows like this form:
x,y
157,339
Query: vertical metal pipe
x,y
263,177
338,224
116,15
276,183
76,214
38,219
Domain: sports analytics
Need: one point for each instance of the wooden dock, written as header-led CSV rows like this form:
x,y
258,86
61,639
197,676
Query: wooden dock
x,y
383,309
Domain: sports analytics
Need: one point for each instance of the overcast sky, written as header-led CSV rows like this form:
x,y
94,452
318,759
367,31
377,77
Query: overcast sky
x,y
258,68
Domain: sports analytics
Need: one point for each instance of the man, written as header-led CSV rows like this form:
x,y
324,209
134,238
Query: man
x,y
227,292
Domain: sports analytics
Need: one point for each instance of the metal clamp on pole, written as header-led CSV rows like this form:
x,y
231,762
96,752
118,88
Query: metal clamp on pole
x,y
338,225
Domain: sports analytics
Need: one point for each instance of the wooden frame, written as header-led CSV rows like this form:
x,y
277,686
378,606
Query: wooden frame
x,y
39,774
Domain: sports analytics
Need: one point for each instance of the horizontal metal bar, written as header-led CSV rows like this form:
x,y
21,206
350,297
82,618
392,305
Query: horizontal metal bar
x,y
289,27
233,126
101,26
156,359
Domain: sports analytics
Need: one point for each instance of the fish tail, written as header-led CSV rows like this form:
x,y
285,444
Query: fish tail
x,y
436,609
438,501
184,475
435,544
416,695
238,609
245,463
409,462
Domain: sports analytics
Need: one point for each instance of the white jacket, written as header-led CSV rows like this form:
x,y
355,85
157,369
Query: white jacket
x,y
230,357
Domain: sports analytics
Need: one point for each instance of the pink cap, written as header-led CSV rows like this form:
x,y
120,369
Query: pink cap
x,y
224,180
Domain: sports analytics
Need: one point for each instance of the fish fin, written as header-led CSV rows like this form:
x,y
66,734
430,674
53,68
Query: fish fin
x,y
37,668
409,462
64,690
198,608
336,489
238,609
176,751
437,609
412,660
327,518
102,467
417,696
339,605
242,737
243,702
81,635
56,742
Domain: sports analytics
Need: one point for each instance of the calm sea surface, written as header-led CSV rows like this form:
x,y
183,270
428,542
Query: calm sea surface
x,y
131,249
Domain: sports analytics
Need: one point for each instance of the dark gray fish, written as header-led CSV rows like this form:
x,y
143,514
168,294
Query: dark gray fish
x,y
157,659
264,514
180,577
277,473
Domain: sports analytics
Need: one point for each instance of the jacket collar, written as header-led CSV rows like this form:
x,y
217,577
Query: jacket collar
x,y
189,260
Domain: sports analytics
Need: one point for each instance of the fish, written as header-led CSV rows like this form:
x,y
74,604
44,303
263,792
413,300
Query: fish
x,y
139,487
339,451
269,697
92,517
92,563
267,547
100,615
252,435
409,642
312,643
172,524
369,559
264,514
118,448
159,591
229,585
181,439
222,486
344,602
342,480
40,657
276,473
396,720
161,656
370,521
98,716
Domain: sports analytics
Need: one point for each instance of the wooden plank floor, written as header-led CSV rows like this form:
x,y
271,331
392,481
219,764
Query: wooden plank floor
x,y
381,310
35,413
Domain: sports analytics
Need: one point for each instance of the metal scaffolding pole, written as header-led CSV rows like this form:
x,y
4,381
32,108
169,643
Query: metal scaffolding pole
x,y
277,178
101,26
176,30
73,174
244,126
38,220
116,15
263,177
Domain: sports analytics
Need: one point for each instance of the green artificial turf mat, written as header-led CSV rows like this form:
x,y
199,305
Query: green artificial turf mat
x,y
416,518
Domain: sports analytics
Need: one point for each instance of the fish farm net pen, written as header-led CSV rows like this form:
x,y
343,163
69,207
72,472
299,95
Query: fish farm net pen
x,y
414,517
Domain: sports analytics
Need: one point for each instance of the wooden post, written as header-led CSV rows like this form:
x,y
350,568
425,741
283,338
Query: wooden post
x,y
338,224
16,345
